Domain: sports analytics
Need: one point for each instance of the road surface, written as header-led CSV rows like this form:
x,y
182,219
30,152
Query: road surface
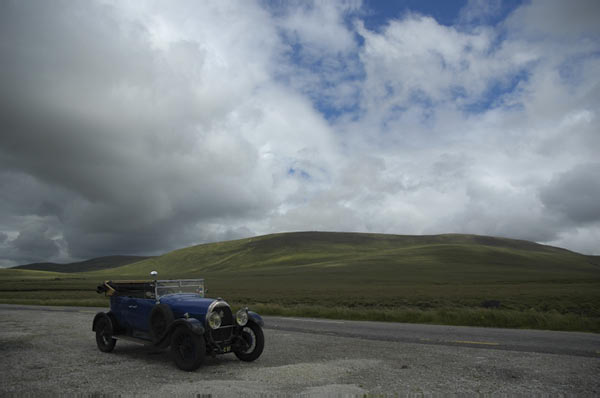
x,y
51,350
538,341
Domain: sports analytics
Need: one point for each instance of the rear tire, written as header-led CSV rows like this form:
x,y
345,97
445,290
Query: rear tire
x,y
188,349
255,340
104,333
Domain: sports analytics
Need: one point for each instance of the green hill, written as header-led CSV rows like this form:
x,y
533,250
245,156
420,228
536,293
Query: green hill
x,y
384,258
445,279
93,264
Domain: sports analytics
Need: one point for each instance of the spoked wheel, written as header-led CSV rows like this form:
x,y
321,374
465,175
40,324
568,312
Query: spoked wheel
x,y
104,333
254,342
188,349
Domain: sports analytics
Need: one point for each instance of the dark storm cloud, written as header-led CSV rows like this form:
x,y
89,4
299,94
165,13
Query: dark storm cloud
x,y
101,132
34,243
575,194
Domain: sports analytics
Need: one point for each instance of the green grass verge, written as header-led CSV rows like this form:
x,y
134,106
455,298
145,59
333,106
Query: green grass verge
x,y
542,306
502,318
443,316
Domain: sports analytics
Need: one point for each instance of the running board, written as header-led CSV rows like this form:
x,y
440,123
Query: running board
x,y
132,339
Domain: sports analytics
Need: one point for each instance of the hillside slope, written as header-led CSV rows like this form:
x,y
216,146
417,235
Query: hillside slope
x,y
93,264
448,258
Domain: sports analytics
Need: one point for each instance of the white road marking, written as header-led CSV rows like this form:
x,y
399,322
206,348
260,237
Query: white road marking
x,y
314,320
474,342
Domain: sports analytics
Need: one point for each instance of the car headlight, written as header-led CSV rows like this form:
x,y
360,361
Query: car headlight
x,y
241,317
214,320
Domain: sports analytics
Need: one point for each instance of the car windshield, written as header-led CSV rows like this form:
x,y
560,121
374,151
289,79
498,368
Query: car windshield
x,y
193,286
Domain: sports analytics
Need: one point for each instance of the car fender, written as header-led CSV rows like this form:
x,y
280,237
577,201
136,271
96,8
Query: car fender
x,y
256,318
97,317
111,317
191,323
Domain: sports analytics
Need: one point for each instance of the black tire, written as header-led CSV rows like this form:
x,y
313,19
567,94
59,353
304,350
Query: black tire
x,y
188,349
255,340
161,318
104,333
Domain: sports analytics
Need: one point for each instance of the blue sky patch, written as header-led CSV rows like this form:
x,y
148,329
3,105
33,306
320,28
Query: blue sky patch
x,y
298,173
492,97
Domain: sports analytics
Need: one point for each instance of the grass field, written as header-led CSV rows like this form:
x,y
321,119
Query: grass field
x,y
440,279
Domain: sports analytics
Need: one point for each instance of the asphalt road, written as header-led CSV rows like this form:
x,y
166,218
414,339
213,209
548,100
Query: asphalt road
x,y
51,350
538,341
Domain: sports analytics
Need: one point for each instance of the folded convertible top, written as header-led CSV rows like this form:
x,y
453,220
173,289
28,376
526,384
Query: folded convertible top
x,y
127,288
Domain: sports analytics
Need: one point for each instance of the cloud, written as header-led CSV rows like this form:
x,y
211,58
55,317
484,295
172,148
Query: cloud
x,y
556,20
318,26
574,194
578,239
151,138
139,128
418,63
37,241
479,11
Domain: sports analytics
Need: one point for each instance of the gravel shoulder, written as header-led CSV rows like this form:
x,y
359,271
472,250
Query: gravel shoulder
x,y
54,352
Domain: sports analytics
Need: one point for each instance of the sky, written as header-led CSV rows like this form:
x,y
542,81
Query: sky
x,y
140,127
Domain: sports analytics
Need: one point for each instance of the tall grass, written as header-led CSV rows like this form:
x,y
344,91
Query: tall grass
x,y
442,316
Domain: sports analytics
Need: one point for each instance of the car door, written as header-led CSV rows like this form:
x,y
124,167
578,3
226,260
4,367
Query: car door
x,y
118,306
138,310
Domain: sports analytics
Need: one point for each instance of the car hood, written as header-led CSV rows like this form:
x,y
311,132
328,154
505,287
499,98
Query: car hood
x,y
195,306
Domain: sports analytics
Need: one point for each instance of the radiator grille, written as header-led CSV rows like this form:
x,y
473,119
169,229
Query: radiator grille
x,y
224,332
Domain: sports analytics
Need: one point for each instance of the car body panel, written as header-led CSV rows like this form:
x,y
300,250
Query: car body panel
x,y
256,318
193,305
139,312
133,313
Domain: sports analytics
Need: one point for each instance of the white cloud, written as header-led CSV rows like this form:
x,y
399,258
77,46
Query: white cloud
x,y
319,26
418,61
139,128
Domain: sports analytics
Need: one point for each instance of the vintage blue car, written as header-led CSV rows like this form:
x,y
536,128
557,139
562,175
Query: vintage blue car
x,y
175,313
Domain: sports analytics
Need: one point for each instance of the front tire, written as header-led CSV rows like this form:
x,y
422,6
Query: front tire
x,y
254,339
104,333
188,349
